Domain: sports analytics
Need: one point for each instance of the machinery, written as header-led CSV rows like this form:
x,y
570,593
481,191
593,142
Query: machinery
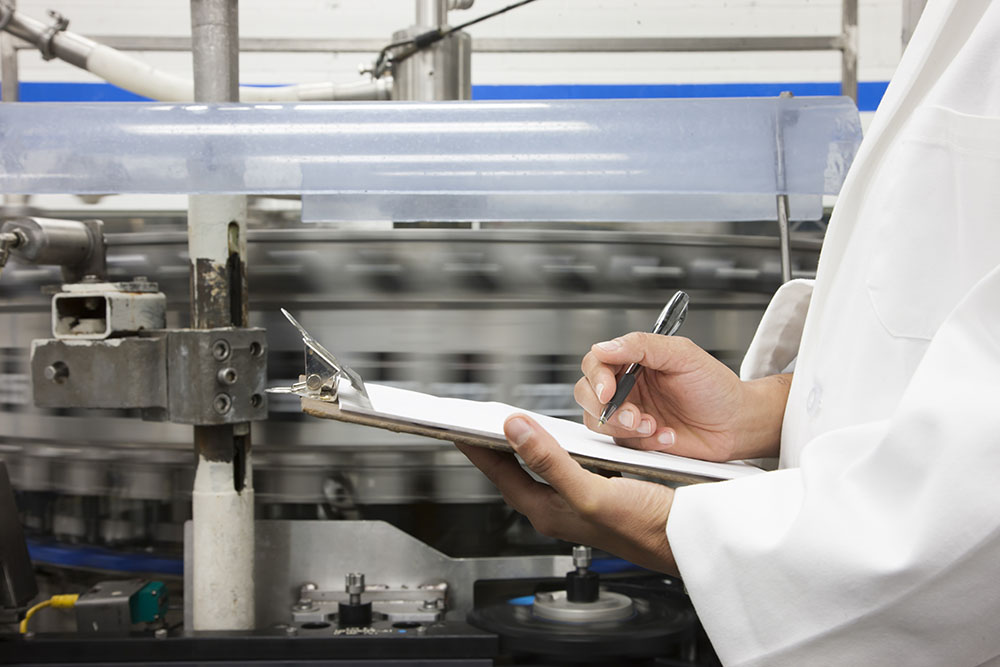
x,y
124,339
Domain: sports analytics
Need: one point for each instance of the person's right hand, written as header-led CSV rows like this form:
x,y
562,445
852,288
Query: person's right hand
x,y
684,402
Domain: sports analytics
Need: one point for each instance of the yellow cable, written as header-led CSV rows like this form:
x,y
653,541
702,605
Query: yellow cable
x,y
57,601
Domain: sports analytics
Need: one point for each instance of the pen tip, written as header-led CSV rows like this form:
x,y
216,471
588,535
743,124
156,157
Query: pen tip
x,y
603,421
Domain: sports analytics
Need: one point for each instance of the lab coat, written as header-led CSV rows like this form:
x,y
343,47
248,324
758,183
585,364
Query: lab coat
x,y
877,542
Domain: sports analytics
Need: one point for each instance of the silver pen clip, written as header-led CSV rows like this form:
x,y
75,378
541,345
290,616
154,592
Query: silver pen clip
x,y
324,372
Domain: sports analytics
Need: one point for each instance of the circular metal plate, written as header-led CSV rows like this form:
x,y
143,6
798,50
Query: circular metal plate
x,y
608,606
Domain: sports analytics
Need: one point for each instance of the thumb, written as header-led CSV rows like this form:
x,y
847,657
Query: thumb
x,y
547,459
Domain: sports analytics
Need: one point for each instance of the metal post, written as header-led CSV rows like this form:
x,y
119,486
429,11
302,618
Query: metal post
x,y
11,92
222,501
784,233
849,51
432,13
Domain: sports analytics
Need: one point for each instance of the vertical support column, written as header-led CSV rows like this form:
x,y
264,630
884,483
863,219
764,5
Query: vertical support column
x,y
849,50
784,232
222,500
10,91
439,72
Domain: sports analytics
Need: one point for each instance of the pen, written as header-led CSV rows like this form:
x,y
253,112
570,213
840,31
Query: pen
x,y
667,324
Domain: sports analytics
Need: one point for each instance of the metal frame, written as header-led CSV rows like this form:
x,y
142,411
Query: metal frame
x,y
846,42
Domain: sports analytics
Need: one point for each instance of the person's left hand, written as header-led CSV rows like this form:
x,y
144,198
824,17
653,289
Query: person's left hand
x,y
625,517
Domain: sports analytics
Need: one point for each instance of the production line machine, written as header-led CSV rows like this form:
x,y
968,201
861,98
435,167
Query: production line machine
x,y
469,250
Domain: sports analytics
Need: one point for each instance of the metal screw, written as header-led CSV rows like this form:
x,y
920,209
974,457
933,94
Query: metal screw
x,y
222,403
308,587
581,558
227,375
291,631
354,584
57,372
221,350
314,381
160,633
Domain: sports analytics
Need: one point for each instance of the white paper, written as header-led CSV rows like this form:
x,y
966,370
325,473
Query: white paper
x,y
487,418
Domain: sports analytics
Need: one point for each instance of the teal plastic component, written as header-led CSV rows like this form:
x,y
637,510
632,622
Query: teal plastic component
x,y
150,603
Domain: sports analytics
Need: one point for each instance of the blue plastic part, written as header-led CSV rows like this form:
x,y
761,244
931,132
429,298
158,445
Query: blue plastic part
x,y
99,558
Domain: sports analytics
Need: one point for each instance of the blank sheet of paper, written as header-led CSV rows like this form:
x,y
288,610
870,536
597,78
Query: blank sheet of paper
x,y
487,418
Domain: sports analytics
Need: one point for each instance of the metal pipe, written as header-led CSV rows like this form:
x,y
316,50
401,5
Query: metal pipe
x,y
432,13
138,77
849,51
781,185
222,501
8,65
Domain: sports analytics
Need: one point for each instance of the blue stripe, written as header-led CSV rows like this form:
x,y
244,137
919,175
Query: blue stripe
x,y
869,92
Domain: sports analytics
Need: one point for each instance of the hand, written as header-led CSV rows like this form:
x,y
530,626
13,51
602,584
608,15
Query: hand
x,y
684,402
625,517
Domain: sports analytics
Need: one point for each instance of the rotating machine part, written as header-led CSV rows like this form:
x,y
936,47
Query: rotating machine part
x,y
653,627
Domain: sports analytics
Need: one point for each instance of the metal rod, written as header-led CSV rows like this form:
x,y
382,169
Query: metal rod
x,y
11,89
784,234
222,500
849,51
498,44
432,13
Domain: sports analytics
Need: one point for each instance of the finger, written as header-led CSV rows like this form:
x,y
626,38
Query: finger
x,y
659,439
547,459
585,396
664,353
519,490
601,377
628,421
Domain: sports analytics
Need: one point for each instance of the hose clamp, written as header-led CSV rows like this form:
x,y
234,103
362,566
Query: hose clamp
x,y
59,23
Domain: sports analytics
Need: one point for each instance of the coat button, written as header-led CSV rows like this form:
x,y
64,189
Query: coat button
x,y
814,401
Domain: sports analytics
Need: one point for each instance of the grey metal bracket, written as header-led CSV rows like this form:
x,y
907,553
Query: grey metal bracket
x,y
187,376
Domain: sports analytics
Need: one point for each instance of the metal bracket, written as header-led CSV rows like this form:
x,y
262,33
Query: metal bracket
x,y
59,23
203,377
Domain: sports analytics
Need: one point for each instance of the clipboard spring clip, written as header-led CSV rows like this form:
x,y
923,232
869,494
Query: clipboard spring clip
x,y
325,377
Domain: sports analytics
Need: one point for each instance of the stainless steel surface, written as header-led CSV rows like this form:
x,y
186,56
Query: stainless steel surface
x,y
849,50
581,557
289,553
105,608
784,236
323,370
501,44
78,247
10,86
440,72
432,13
609,606
215,49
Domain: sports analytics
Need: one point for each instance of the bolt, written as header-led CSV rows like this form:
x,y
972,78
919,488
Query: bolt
x,y
221,350
227,375
581,558
354,584
308,587
291,631
57,372
160,633
222,403
314,382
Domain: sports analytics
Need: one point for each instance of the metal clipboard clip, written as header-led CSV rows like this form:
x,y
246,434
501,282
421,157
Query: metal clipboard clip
x,y
325,377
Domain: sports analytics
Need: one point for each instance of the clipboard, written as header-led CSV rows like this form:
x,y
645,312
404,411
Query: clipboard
x,y
331,390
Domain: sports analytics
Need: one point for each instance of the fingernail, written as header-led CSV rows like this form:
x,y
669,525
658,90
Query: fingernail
x,y
599,389
518,431
626,419
610,345
645,427
666,438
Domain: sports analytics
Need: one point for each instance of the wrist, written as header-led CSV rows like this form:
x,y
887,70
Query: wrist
x,y
761,416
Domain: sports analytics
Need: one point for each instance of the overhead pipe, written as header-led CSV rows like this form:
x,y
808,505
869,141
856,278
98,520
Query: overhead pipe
x,y
136,76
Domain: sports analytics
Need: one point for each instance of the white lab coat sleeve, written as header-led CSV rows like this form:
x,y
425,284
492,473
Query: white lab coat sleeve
x,y
775,345
883,547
